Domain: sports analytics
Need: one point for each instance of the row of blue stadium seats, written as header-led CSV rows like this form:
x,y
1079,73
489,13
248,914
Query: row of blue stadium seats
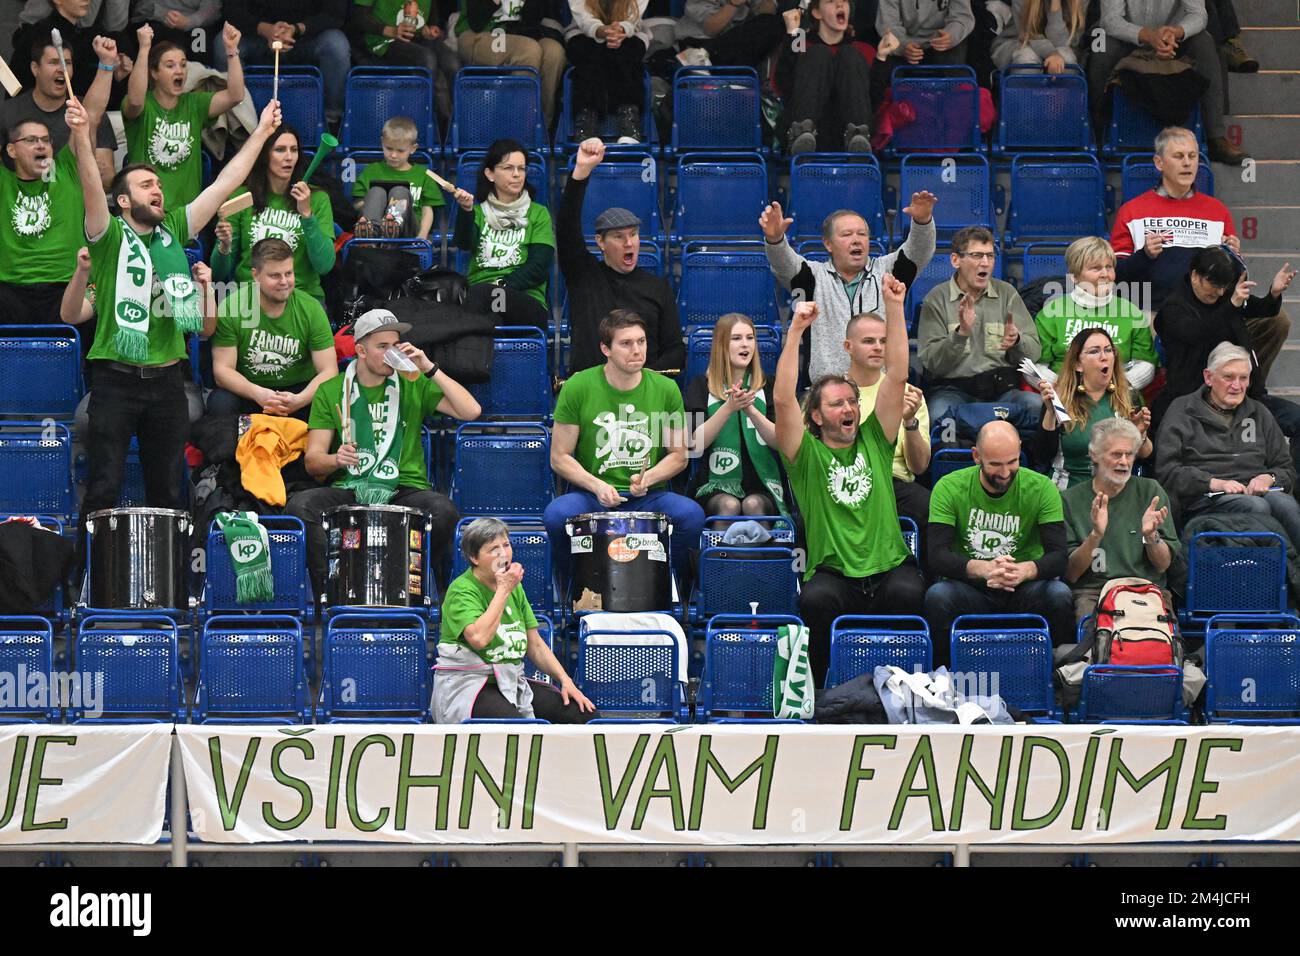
x,y
374,669
713,108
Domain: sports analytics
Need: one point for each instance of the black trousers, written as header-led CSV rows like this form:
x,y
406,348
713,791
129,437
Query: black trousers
x,y
507,306
833,89
222,402
547,705
746,44
310,506
36,304
828,594
605,79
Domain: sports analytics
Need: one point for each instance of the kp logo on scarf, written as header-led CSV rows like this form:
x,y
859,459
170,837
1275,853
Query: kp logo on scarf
x,y
248,550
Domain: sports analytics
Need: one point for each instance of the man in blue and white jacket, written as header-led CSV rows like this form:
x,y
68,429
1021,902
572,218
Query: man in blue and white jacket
x,y
849,284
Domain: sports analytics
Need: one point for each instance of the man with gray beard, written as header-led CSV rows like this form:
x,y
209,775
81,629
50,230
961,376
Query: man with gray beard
x,y
1117,525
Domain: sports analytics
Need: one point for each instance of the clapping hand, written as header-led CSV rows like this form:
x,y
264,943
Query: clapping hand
x,y
1153,518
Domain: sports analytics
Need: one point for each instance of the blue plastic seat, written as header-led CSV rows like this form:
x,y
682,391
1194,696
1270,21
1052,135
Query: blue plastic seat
x,y
376,93
935,272
717,195
723,277
731,578
421,248
1118,694
302,97
492,103
630,673
699,344
1006,654
1133,130
1040,111
27,648
1139,174
911,535
40,371
945,461
716,108
288,541
532,549
1252,669
1234,573
565,141
502,469
251,671
1056,197
520,386
822,183
739,655
36,461
630,180
947,106
138,658
1042,260
374,668
962,183
860,644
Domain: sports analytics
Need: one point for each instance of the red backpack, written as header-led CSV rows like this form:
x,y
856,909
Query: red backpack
x,y
1135,626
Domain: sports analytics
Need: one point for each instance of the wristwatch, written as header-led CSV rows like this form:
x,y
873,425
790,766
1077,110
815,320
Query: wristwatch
x,y
1153,540
433,371
916,423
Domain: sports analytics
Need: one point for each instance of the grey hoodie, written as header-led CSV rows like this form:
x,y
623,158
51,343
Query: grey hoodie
x,y
1124,19
916,21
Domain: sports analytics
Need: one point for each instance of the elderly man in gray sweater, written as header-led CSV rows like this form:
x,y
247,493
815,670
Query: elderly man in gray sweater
x,y
1172,28
849,284
1220,450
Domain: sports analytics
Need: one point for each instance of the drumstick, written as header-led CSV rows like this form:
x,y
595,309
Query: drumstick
x,y
345,423
440,181
10,82
232,206
277,46
57,39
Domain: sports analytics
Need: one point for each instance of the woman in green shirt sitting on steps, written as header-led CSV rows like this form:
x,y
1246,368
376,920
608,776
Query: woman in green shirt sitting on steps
x,y
509,238
1092,386
488,628
284,207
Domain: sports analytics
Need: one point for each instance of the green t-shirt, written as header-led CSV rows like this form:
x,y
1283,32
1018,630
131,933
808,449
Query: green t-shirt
x,y
271,352
988,527
41,223
280,220
166,343
393,13
466,600
1121,553
1061,319
508,12
500,251
424,192
619,432
418,400
169,141
847,499
1074,443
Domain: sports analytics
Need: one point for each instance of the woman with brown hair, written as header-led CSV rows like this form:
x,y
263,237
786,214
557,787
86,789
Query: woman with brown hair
x,y
606,44
733,435
1092,387
1044,33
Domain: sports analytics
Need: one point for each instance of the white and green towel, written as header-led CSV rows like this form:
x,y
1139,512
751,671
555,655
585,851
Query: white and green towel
x,y
250,554
793,693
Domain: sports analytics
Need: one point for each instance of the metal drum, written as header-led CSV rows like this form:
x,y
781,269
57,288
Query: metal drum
x,y
620,559
376,556
137,559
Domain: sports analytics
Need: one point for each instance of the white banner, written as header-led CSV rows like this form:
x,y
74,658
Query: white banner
x,y
83,784
742,784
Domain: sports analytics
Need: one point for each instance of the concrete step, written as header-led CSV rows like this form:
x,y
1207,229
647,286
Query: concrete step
x,y
1267,227
1286,370
1274,181
1265,91
1276,48
1261,13
1271,136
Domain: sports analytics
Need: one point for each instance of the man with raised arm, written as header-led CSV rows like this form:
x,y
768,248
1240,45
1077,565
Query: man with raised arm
x,y
840,468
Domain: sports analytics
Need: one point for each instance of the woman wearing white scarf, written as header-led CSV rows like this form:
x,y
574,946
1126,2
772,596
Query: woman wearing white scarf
x,y
1094,301
509,238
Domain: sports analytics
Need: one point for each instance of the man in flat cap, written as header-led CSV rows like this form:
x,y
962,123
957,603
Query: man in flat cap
x,y
597,287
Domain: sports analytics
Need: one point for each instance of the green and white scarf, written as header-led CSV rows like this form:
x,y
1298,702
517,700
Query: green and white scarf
x,y
793,693
250,553
374,479
725,470
136,263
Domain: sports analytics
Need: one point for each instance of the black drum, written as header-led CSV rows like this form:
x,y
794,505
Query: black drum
x,y
376,556
621,557
137,559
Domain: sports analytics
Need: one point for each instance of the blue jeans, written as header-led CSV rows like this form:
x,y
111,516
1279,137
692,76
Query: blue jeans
x,y
943,400
685,514
1280,505
949,599
328,50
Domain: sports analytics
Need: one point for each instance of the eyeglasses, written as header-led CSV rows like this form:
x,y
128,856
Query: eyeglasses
x,y
34,140
502,167
978,256
1099,350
